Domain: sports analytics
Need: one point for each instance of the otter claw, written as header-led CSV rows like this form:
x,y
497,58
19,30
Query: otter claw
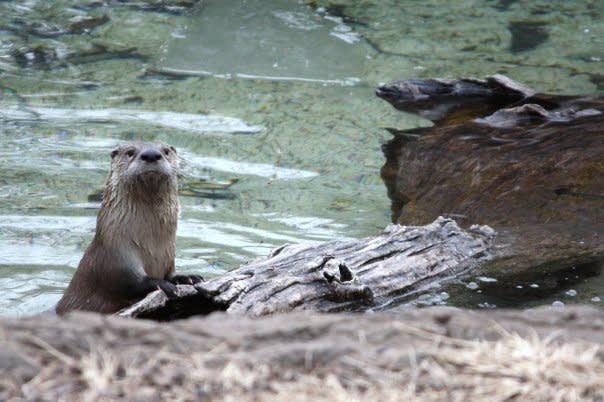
x,y
186,279
168,288
196,279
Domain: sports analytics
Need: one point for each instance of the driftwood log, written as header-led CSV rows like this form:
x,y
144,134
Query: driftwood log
x,y
351,275
432,354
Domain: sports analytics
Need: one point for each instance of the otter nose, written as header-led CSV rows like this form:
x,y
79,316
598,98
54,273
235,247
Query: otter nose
x,y
151,155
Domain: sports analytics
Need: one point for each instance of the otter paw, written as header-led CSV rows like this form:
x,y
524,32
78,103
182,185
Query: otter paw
x,y
186,279
150,284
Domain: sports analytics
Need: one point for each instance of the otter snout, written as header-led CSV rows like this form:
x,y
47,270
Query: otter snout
x,y
151,155
150,164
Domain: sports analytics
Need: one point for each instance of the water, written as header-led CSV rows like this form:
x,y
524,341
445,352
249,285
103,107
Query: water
x,y
283,141
275,40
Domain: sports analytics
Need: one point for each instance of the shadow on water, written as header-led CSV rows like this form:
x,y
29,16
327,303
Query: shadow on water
x,y
527,35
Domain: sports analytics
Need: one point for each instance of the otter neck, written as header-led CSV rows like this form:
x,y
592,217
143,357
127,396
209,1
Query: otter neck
x,y
145,224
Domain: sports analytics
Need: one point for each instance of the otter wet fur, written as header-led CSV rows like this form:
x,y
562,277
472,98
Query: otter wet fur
x,y
134,246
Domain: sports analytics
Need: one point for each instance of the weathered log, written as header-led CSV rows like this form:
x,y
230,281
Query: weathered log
x,y
527,164
352,275
431,354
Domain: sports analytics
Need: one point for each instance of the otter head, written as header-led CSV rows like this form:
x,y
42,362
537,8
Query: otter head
x,y
140,203
146,170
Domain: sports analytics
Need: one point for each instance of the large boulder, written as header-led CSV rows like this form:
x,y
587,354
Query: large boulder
x,y
530,165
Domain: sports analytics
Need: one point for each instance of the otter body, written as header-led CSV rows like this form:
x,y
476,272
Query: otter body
x,y
133,249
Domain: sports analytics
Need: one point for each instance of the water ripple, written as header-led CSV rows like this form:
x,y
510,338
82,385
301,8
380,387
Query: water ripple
x,y
182,121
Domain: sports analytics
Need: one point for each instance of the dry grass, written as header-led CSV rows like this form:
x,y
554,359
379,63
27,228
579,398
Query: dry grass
x,y
510,369
514,368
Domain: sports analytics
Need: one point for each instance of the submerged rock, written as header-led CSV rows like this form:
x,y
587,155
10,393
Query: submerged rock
x,y
47,35
169,6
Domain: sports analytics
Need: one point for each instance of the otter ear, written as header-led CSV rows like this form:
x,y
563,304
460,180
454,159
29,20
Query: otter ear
x,y
172,148
114,153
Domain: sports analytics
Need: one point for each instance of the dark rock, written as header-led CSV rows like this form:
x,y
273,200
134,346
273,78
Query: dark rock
x,y
86,25
456,101
504,5
168,6
529,165
34,57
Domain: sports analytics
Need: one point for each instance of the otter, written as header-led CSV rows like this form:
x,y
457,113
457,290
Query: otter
x,y
133,249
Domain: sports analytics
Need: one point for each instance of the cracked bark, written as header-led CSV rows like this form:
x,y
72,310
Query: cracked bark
x,y
340,275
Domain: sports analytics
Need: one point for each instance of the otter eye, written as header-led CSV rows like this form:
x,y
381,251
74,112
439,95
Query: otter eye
x,y
130,153
167,151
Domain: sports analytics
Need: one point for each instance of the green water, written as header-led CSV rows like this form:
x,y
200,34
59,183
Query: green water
x,y
293,122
